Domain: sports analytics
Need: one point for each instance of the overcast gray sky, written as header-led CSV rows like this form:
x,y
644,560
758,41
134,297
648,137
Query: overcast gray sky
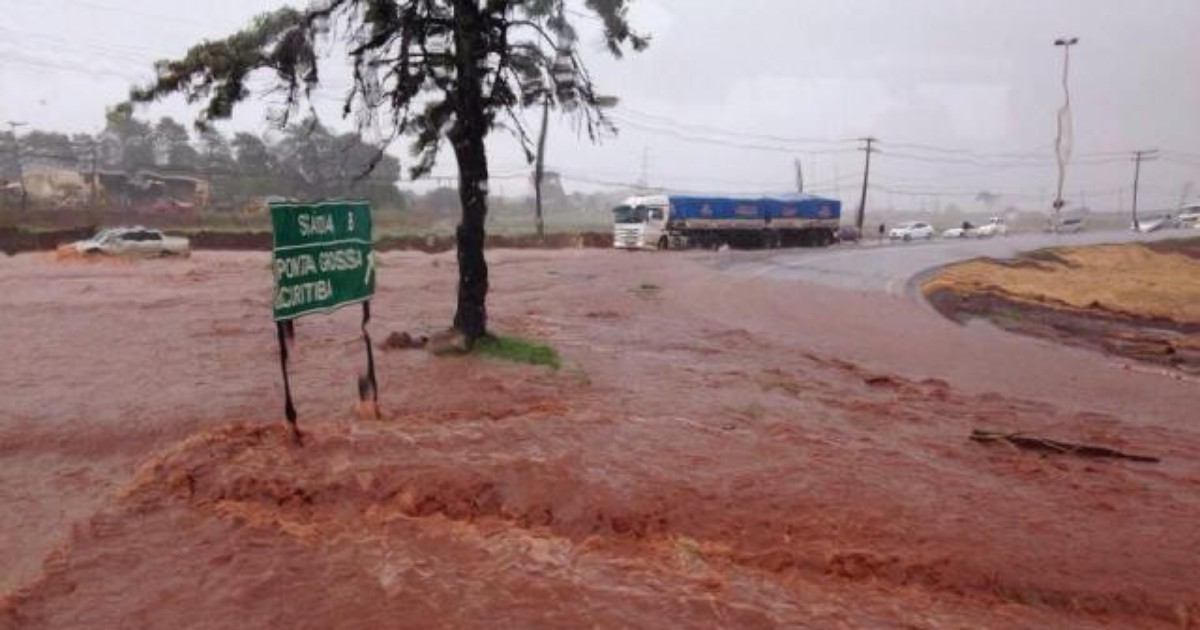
x,y
731,93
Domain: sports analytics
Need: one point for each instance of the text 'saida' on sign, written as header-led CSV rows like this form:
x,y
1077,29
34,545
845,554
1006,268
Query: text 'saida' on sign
x,y
322,257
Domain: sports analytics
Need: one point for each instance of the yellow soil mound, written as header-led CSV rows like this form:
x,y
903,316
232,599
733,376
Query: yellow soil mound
x,y
1130,279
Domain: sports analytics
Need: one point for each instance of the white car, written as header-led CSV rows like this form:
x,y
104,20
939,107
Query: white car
x,y
1189,217
133,241
966,230
994,227
910,231
1069,225
1155,224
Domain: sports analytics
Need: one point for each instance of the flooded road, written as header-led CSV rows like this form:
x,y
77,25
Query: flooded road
x,y
716,451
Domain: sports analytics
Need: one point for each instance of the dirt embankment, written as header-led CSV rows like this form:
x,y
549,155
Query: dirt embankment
x,y
1140,301
16,240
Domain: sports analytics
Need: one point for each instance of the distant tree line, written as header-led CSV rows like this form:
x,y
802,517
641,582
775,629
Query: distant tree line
x,y
304,160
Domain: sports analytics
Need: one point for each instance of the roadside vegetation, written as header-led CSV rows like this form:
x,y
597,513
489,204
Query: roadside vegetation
x,y
517,350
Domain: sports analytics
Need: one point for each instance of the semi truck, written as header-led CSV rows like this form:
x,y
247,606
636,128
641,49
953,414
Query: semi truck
x,y
681,221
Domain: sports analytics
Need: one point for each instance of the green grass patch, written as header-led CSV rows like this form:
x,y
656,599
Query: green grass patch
x,y
517,350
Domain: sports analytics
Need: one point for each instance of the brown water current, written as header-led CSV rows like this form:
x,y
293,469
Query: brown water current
x,y
714,452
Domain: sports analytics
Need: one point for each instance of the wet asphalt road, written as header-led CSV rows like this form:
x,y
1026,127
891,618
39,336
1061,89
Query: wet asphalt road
x,y
889,267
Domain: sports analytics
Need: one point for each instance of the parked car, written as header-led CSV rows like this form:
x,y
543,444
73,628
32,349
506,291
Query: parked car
x,y
994,227
910,231
1189,217
133,241
1068,225
966,230
1154,224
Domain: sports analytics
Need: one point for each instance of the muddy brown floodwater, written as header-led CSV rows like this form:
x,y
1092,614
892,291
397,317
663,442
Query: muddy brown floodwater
x,y
714,452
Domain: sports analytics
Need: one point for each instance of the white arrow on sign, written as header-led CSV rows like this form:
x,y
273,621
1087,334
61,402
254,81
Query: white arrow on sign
x,y
370,268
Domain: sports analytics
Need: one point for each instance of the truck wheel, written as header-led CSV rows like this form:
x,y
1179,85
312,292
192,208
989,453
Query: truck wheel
x,y
664,244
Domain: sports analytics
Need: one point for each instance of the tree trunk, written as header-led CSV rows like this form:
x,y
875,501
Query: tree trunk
x,y
471,317
470,129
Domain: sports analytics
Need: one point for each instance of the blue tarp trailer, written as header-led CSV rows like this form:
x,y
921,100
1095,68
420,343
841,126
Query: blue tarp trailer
x,y
787,210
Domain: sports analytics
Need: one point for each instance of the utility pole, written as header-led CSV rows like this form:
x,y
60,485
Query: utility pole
x,y
1063,141
1138,156
12,126
92,193
862,201
799,176
540,169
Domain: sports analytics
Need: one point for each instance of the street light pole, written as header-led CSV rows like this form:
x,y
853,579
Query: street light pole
x,y
1062,143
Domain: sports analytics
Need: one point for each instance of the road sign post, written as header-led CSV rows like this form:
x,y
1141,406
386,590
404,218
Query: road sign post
x,y
322,261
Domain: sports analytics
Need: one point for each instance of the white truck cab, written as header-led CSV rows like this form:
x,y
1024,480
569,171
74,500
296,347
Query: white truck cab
x,y
641,223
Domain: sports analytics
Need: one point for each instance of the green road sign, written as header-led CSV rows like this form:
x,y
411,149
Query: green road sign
x,y
322,256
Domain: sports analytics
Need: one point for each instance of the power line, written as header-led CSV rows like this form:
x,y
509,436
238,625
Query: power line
x,y
707,129
908,150
687,137
117,49
125,12
1182,155
80,69
967,152
1027,163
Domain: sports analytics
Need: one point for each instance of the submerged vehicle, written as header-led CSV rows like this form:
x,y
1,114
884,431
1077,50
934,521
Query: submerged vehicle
x,y
679,221
132,241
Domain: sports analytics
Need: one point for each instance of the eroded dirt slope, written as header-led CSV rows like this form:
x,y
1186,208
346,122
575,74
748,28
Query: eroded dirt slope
x,y
1135,300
